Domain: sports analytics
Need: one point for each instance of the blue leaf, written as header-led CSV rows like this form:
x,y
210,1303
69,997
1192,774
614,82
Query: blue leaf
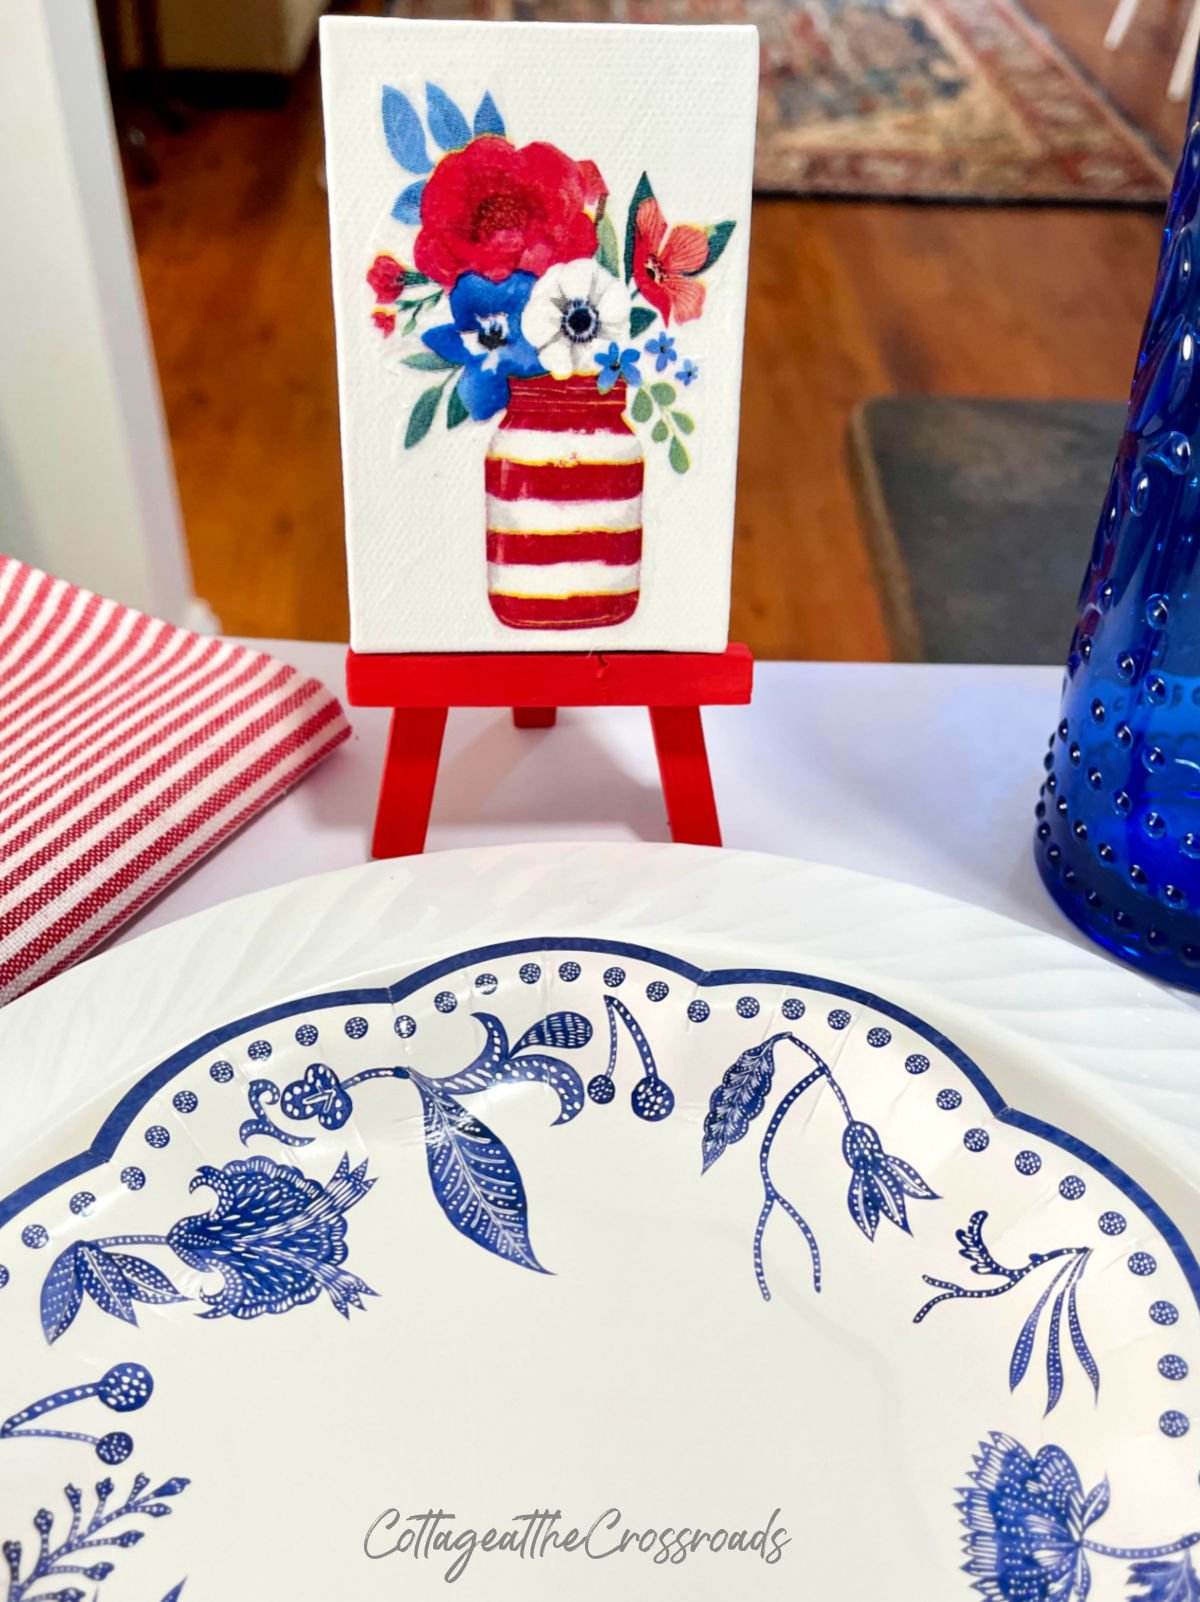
x,y
488,119
738,1099
1170,1579
145,1282
408,203
446,122
560,1030
475,1180
61,1297
403,131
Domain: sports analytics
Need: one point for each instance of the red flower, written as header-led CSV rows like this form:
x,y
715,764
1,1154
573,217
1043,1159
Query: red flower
x,y
387,278
384,320
494,210
662,261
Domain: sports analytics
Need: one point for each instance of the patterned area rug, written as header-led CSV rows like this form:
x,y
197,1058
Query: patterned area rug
x,y
905,99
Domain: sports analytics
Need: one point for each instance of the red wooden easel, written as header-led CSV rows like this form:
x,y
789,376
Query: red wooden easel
x,y
420,690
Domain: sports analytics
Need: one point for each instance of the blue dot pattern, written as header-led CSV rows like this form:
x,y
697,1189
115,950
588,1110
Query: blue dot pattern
x,y
793,1008
977,1140
486,983
158,1137
948,1100
1174,1423
35,1236
258,1050
307,1035
1141,1263
918,1063
82,1203
446,1000
185,1101
529,973
569,971
1027,1162
356,1028
838,1018
656,990
698,1011
1172,1367
1112,1223
1164,1312
132,1177
1071,1188
747,1007
405,1026
879,1037
614,978
222,1072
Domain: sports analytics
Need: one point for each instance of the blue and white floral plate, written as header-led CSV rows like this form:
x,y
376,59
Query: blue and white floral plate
x,y
543,1222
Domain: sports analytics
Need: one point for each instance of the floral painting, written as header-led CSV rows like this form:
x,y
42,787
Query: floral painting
x,y
550,313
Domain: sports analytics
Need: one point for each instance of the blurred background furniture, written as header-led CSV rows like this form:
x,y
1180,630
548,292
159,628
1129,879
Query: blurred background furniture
x,y
978,515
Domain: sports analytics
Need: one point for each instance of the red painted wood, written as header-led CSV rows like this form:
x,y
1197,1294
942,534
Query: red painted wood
x,y
421,687
686,780
552,678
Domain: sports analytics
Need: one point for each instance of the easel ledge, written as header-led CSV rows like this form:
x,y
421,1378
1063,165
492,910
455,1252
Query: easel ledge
x,y
421,688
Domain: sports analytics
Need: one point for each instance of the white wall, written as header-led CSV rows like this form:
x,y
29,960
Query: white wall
x,y
87,490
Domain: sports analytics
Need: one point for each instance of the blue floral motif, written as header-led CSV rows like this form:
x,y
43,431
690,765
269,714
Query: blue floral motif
x,y
614,364
880,1183
1026,1519
86,1536
276,1237
1072,1261
485,339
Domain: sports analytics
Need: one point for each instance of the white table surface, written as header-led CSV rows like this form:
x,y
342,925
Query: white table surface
x,y
919,772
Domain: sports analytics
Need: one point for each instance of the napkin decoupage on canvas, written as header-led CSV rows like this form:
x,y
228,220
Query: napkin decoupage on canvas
x,y
540,238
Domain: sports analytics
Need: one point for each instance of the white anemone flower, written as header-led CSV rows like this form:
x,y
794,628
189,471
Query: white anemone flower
x,y
576,309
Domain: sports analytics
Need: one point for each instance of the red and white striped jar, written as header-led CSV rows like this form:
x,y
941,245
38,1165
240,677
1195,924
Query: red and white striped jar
x,y
564,475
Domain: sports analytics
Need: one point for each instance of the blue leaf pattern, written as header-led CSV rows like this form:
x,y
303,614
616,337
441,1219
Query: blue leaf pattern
x,y
738,1099
408,204
488,119
446,122
474,1178
404,133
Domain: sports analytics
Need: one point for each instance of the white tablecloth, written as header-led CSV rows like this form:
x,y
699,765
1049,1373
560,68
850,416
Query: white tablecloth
x,y
923,773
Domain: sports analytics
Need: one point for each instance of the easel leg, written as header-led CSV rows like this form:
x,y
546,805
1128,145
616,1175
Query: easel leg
x,y
534,717
686,781
409,775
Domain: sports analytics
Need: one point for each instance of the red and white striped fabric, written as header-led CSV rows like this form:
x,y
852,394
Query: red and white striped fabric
x,y
128,749
564,476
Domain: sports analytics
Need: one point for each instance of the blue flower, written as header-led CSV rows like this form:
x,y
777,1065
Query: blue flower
x,y
688,373
880,1182
616,363
276,1238
662,348
485,338
1025,1519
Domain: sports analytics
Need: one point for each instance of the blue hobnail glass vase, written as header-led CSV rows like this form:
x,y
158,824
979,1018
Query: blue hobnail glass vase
x,y
1118,820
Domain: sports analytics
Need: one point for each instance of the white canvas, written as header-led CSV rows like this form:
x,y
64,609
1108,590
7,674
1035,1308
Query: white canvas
x,y
539,351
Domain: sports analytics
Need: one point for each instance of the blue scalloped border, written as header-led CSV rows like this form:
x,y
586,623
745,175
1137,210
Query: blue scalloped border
x,y
109,1134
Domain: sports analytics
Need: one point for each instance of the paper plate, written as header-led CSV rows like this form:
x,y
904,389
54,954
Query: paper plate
x,y
591,1221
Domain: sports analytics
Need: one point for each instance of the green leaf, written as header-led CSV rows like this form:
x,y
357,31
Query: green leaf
x,y
683,422
678,457
718,238
642,192
640,319
643,407
664,394
606,246
421,417
659,432
428,361
456,412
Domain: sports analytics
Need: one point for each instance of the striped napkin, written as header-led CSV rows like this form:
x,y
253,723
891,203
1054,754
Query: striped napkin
x,y
128,749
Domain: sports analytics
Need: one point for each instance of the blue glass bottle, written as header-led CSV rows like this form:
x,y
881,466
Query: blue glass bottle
x,y
1118,830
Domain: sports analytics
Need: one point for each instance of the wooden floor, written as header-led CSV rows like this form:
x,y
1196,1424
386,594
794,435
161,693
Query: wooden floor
x,y
847,300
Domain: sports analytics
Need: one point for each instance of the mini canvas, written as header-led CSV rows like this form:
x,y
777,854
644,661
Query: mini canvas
x,y
540,237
